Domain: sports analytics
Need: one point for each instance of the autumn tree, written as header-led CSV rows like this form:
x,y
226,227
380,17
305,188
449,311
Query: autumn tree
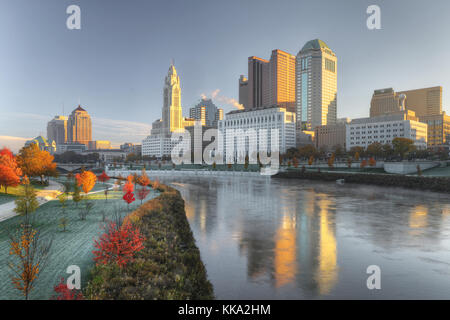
x,y
331,161
29,254
375,150
349,162
63,220
64,293
104,178
363,164
143,193
27,201
402,146
35,162
87,181
295,162
143,179
76,196
128,197
118,245
372,162
10,173
310,160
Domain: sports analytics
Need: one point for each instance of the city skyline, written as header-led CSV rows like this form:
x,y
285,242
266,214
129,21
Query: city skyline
x,y
138,88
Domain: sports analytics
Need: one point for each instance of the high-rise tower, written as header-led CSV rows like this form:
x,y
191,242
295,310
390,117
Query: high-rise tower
x,y
57,130
79,127
316,86
172,115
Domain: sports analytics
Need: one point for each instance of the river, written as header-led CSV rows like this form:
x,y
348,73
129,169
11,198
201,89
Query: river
x,y
263,238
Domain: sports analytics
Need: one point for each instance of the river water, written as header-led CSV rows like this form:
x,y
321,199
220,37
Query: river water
x,y
263,238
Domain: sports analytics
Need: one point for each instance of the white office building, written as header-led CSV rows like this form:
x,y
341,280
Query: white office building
x,y
383,129
158,145
256,120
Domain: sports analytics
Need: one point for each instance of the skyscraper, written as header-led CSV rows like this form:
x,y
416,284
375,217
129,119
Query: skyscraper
x,y
57,130
159,143
282,80
207,113
258,83
79,127
424,102
316,85
172,115
270,82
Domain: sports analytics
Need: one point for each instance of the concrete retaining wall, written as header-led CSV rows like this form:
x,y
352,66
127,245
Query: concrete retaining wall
x,y
408,167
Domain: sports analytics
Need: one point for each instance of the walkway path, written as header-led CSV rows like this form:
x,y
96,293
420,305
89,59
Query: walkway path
x,y
51,192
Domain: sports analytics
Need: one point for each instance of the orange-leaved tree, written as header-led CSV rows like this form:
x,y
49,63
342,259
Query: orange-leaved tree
x,y
30,254
87,180
35,162
9,171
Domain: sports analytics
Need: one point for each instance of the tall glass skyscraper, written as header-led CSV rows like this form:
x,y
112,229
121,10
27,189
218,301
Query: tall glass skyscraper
x,y
316,85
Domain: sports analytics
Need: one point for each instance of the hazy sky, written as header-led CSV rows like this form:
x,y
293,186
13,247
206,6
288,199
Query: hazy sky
x,y
117,62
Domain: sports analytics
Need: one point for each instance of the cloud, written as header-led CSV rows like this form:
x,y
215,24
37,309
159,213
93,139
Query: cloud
x,y
13,143
119,131
224,99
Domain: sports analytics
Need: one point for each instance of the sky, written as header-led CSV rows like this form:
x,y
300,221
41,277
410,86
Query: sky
x,y
116,63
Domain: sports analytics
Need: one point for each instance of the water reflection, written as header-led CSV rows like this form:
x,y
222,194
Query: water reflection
x,y
262,238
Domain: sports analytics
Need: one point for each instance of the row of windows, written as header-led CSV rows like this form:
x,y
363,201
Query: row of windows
x,y
376,126
252,120
376,131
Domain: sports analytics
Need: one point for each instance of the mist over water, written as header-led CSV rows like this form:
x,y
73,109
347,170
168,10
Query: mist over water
x,y
263,238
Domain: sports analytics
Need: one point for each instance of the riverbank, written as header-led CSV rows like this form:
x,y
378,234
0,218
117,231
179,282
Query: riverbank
x,y
169,267
437,184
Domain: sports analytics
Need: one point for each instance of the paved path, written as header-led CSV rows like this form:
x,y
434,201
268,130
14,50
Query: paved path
x,y
51,192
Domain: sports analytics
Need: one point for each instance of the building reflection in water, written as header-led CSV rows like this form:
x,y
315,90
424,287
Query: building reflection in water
x,y
418,217
287,240
281,239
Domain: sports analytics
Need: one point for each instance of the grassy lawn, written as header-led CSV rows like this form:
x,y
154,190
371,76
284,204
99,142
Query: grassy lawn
x,y
437,172
13,192
73,247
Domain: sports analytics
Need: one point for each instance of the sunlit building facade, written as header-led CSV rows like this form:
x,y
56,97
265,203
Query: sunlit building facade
x,y
57,130
79,127
270,82
424,102
316,86
383,129
438,129
159,143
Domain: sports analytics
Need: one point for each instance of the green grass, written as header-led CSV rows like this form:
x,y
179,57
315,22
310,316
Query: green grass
x,y
437,172
73,247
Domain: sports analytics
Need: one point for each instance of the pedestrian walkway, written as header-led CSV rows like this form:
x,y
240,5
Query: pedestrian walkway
x,y
51,192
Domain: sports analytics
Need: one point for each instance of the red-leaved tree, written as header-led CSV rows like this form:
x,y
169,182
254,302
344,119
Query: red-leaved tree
x,y
64,293
119,244
129,198
143,193
104,178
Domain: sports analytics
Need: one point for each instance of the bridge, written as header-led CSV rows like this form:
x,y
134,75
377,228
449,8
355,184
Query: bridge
x,y
73,167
